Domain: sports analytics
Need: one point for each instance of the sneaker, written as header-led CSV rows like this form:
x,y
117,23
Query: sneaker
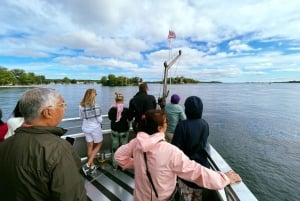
x,y
85,169
92,170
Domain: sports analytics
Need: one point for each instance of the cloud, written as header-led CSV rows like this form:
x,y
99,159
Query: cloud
x,y
231,42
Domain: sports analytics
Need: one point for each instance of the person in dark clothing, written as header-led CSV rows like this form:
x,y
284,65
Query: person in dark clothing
x,y
36,164
190,136
119,122
139,104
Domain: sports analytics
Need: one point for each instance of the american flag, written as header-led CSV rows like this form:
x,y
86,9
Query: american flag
x,y
171,34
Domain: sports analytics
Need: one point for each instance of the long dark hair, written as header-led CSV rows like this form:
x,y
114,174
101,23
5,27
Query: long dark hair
x,y
1,122
153,119
16,111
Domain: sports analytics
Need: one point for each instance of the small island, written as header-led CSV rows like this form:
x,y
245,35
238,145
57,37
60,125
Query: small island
x,y
18,77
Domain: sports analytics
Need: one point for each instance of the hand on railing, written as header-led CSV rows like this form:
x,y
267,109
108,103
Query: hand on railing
x,y
233,177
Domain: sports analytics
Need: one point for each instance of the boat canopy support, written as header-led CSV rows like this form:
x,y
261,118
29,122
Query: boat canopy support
x,y
162,100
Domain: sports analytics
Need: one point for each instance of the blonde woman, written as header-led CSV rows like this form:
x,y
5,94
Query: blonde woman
x,y
90,113
119,117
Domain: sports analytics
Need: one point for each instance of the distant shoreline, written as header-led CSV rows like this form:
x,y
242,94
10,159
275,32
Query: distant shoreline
x,y
19,86
43,85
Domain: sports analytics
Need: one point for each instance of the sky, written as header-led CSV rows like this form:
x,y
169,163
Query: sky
x,y
228,41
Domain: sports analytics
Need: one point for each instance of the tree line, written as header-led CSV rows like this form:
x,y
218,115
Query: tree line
x,y
20,77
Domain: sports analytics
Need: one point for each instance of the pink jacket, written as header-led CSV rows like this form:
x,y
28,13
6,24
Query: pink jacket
x,y
165,163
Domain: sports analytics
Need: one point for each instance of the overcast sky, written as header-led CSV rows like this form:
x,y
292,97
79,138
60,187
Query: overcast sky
x,y
228,41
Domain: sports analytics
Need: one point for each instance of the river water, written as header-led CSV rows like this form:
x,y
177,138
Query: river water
x,y
254,126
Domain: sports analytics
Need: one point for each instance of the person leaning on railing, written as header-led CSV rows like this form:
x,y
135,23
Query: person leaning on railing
x,y
165,162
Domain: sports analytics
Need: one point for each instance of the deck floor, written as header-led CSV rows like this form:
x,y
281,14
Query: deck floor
x,y
109,184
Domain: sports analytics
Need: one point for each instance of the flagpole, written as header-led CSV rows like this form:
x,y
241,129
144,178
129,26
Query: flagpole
x,y
169,48
162,100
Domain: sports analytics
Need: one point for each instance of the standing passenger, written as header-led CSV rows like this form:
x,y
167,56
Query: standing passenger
x,y
175,113
36,164
165,162
119,123
3,127
90,113
191,137
139,104
14,122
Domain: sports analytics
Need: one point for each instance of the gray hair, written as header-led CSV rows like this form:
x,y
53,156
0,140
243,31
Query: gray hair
x,y
33,101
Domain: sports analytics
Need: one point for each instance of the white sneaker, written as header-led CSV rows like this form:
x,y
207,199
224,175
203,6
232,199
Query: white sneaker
x,y
85,169
92,170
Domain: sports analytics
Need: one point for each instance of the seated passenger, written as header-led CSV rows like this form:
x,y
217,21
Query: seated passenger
x,y
165,162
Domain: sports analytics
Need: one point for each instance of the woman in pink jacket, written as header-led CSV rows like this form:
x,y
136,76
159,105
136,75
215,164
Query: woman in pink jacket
x,y
165,162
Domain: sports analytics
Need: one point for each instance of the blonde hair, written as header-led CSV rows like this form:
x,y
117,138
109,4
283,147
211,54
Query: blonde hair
x,y
89,98
119,97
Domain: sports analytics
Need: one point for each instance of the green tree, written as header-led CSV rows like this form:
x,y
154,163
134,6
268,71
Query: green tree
x,y
7,77
112,81
66,80
18,73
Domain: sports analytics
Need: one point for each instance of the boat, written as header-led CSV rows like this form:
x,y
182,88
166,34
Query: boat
x,y
118,185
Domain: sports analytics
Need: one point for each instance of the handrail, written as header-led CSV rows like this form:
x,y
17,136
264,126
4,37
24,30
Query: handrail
x,y
234,192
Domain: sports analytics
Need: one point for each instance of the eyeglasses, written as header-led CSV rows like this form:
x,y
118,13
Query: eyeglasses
x,y
59,105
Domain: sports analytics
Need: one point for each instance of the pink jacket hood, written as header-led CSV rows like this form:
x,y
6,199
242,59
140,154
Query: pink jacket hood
x,y
147,142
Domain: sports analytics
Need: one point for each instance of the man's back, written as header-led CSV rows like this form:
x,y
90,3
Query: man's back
x,y
140,103
36,164
39,165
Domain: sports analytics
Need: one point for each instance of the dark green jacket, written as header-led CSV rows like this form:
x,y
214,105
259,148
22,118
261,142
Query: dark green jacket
x,y
36,164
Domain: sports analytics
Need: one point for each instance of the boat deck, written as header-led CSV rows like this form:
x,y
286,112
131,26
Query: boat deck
x,y
115,185
110,184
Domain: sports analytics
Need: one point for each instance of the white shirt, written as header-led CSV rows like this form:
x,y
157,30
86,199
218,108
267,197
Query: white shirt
x,y
13,123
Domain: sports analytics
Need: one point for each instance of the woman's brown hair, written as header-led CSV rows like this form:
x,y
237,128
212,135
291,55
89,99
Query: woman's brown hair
x,y
153,119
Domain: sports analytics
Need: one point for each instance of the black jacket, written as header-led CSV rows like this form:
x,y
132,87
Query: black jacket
x,y
140,103
191,135
123,124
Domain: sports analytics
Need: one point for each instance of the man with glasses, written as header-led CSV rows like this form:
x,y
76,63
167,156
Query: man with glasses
x,y
36,164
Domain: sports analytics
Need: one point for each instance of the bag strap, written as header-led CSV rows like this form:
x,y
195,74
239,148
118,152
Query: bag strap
x,y
149,175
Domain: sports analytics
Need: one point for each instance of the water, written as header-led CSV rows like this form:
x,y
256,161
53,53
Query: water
x,y
255,127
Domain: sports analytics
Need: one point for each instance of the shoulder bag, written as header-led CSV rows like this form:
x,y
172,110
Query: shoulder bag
x,y
175,196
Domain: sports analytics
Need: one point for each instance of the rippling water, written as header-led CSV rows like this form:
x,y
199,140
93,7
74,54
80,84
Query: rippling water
x,y
255,127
